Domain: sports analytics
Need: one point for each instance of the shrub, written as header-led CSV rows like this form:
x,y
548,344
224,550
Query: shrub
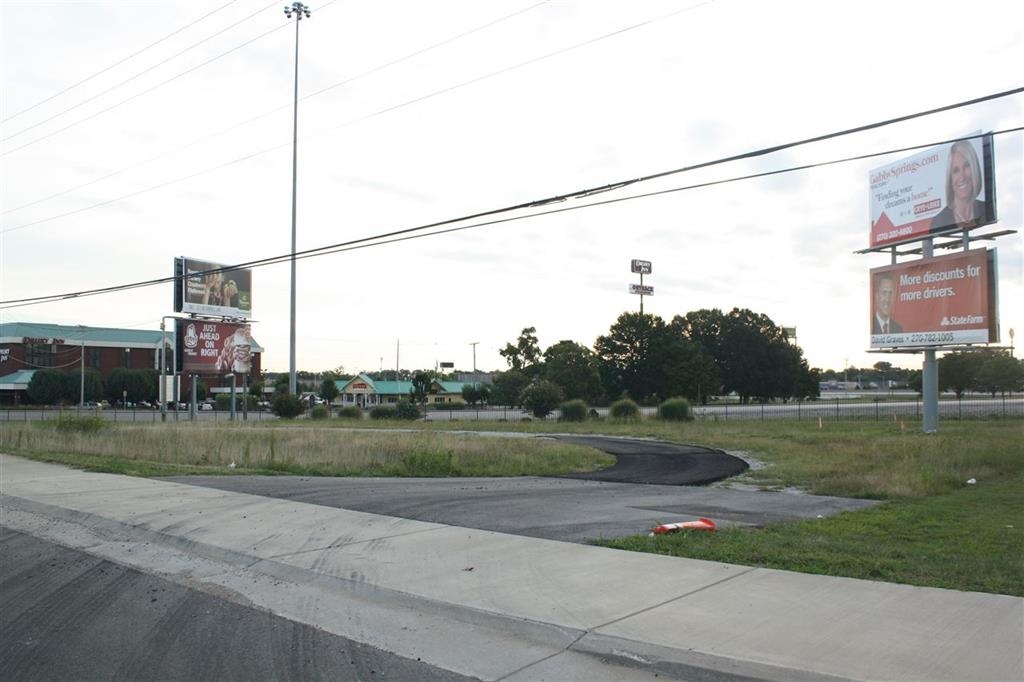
x,y
624,409
676,409
405,409
574,411
350,412
287,406
319,412
447,406
541,398
383,412
75,424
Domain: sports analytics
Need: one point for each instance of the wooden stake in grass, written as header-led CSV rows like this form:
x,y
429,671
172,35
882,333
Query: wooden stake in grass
x,y
821,424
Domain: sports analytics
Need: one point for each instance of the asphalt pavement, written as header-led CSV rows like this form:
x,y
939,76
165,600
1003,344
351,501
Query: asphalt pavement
x,y
572,508
499,606
70,615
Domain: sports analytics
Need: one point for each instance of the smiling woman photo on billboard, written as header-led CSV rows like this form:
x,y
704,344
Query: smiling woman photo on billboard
x,y
964,182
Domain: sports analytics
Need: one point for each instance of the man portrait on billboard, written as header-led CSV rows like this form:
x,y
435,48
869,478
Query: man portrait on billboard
x,y
885,294
964,177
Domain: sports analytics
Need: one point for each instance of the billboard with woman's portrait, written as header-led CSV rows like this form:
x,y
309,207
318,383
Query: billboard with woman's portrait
x,y
211,289
942,190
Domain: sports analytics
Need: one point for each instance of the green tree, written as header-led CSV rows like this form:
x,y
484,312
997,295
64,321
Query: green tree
x,y
507,388
475,393
46,387
958,371
541,398
753,355
73,386
998,372
421,382
915,380
524,355
133,385
573,367
630,355
328,390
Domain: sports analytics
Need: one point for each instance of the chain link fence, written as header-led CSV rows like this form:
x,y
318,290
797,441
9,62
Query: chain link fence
x,y
873,409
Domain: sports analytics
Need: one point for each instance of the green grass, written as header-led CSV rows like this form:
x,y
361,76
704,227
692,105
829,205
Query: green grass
x,y
970,539
932,529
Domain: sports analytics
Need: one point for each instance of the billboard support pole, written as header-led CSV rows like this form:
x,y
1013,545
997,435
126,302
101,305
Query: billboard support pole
x,y
929,374
641,295
163,365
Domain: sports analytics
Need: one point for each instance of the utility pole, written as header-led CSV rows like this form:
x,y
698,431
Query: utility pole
x,y
81,379
297,9
474,344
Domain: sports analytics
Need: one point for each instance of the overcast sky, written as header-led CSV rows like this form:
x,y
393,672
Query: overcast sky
x,y
414,112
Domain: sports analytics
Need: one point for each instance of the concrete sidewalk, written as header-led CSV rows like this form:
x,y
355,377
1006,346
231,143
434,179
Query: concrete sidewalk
x,y
499,606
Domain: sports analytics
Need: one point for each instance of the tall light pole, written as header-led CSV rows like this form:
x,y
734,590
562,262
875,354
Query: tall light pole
x,y
298,10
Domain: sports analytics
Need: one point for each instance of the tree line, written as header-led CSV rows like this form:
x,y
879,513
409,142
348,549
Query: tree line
x,y
700,354
53,386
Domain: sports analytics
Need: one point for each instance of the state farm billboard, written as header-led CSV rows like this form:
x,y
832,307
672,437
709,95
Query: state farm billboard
x,y
209,289
942,190
940,301
213,347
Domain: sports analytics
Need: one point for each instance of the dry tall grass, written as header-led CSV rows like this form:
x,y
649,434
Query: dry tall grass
x,y
333,452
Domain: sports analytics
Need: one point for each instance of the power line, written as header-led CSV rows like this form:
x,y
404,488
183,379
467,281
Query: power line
x,y
356,120
408,234
585,192
148,90
263,115
119,62
137,75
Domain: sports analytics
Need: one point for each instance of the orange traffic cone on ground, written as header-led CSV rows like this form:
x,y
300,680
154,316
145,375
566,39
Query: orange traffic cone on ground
x,y
699,524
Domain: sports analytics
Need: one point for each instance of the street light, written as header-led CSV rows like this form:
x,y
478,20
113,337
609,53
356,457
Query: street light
x,y
298,10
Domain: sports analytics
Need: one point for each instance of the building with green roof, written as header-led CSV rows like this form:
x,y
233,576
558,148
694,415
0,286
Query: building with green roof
x,y
364,391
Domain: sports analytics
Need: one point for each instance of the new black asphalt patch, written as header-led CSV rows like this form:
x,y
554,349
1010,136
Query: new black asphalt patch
x,y
657,462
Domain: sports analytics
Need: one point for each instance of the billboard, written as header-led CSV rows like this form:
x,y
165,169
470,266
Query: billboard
x,y
938,191
213,347
940,301
642,289
225,293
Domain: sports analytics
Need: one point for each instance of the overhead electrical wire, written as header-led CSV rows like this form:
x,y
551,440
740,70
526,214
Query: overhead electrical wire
x,y
235,126
118,62
137,75
379,112
151,89
594,190
417,232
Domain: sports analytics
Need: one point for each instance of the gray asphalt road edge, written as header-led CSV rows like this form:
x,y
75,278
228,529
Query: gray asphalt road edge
x,y
488,645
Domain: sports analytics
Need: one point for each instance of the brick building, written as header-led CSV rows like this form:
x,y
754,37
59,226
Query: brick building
x,y
26,347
